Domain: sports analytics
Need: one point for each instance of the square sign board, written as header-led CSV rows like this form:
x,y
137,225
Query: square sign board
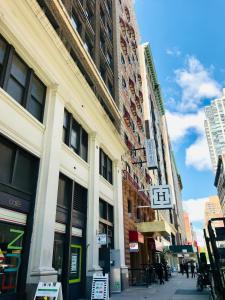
x,y
161,197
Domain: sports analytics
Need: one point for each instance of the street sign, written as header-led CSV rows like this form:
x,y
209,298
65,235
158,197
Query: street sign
x,y
151,154
102,239
48,291
100,287
161,197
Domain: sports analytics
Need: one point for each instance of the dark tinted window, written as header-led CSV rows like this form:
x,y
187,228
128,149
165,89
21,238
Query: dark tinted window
x,y
2,54
37,97
84,145
105,166
75,136
103,209
64,191
18,167
6,157
20,82
24,173
17,79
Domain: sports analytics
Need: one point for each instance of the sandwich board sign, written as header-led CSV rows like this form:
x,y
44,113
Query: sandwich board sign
x,y
100,287
49,291
161,197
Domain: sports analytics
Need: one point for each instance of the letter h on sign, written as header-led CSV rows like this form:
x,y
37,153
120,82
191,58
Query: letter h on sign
x,y
161,197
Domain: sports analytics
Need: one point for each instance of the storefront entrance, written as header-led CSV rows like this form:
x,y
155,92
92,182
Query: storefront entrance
x,y
18,178
77,268
69,256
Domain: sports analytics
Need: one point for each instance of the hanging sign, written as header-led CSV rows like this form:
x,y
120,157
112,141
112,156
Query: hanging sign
x,y
133,247
102,239
161,197
100,287
151,154
49,291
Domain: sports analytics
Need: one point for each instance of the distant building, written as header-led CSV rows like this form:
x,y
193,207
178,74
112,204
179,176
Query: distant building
x,y
213,210
188,229
215,128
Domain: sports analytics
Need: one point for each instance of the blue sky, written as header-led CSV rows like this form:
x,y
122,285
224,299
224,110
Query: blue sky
x,y
187,39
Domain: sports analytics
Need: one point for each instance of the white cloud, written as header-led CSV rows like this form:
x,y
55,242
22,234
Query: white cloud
x,y
196,83
195,209
197,155
173,51
179,126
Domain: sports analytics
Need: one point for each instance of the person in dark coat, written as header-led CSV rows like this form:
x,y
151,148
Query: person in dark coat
x,y
186,269
192,270
182,268
159,272
165,270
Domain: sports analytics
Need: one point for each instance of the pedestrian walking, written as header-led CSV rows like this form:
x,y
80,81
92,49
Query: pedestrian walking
x,y
192,270
186,269
182,268
165,270
159,272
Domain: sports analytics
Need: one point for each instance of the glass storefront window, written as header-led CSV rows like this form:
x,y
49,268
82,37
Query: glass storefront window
x,y
11,247
58,253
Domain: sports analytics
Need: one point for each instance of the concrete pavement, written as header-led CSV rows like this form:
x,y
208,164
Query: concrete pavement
x,y
177,288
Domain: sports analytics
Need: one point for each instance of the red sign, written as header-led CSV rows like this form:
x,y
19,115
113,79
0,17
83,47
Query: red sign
x,y
136,237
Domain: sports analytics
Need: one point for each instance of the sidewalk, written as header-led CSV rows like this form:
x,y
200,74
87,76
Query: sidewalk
x,y
177,288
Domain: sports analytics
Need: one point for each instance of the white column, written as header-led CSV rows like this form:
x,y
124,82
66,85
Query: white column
x,y
118,211
40,263
93,207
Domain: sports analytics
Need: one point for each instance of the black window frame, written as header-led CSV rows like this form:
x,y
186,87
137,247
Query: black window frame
x,y
6,75
105,166
68,125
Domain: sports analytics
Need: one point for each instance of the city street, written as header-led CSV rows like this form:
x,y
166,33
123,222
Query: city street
x,y
178,288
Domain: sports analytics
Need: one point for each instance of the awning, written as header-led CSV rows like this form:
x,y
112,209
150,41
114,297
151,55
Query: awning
x,y
182,249
156,226
136,237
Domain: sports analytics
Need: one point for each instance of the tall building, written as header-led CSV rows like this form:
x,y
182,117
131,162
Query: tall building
x,y
136,177
167,229
60,146
213,210
215,128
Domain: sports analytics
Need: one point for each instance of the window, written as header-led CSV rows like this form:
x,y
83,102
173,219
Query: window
x,y
21,82
105,166
109,58
64,191
3,46
107,219
17,80
123,83
11,245
37,98
122,60
129,206
18,167
75,136
76,23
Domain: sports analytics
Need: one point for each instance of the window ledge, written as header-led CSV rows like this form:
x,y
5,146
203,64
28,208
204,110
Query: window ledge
x,y
21,110
110,185
75,155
